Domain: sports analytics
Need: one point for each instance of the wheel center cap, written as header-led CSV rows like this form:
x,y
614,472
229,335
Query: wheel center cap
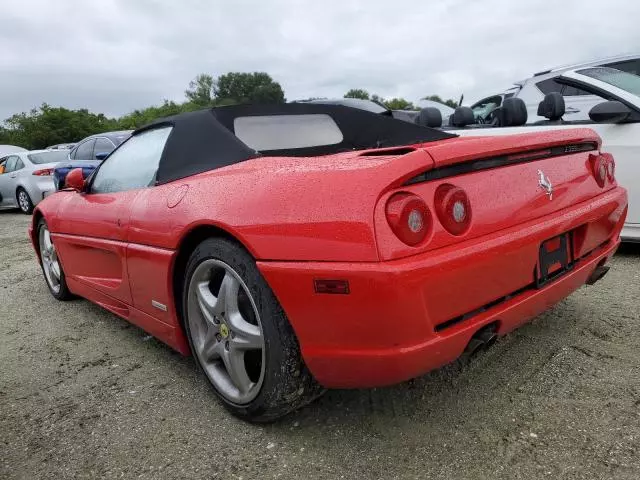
x,y
224,330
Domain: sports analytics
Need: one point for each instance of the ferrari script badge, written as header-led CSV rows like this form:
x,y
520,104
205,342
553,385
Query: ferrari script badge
x,y
545,184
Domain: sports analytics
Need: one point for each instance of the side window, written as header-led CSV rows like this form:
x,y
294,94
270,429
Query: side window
x,y
3,164
85,150
134,165
548,86
11,164
19,165
103,145
570,91
551,85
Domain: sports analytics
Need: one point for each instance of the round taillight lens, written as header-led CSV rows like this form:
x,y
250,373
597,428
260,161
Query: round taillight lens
x,y
453,208
600,171
409,217
611,166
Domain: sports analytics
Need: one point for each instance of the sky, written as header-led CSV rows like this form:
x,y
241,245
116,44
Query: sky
x,y
114,56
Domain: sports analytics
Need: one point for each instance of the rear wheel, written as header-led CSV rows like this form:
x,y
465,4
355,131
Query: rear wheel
x,y
24,201
240,336
51,267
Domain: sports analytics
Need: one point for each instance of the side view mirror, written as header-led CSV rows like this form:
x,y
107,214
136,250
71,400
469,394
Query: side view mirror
x,y
75,180
610,112
102,155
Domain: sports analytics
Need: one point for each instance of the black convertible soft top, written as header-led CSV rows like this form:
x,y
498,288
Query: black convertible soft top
x,y
213,138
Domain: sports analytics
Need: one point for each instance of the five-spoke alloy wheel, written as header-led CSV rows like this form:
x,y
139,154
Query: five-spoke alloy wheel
x,y
51,267
240,335
226,331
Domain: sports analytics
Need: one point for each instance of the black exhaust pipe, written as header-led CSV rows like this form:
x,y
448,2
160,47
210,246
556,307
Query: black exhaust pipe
x,y
482,339
597,274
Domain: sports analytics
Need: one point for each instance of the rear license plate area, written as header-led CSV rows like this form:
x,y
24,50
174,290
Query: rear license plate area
x,y
555,258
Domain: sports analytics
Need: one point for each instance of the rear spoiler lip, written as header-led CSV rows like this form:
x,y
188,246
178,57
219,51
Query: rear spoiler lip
x,y
455,151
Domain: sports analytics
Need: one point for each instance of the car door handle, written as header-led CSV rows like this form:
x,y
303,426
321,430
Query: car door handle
x,y
571,110
13,176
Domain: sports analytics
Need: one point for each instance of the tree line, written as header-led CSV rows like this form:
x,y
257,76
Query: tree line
x,y
48,125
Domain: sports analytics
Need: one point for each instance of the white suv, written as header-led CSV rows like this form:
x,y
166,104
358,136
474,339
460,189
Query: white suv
x,y
532,90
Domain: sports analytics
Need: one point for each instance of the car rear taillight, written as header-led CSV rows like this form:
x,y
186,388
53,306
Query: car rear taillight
x,y
409,217
45,172
453,208
599,164
611,166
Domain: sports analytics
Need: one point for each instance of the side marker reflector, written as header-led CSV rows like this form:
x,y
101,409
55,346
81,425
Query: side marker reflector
x,y
340,287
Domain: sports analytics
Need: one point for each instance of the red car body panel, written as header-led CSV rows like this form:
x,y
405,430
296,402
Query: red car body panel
x,y
385,331
324,217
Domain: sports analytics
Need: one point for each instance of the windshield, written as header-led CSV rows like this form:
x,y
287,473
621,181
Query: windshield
x,y
54,156
622,80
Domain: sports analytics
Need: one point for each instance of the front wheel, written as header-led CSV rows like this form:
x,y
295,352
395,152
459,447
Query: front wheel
x,y
24,201
240,336
51,267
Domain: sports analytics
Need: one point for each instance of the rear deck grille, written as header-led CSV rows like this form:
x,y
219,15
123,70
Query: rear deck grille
x,y
488,163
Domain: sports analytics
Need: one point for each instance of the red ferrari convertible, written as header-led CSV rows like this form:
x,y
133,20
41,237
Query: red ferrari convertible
x,y
293,248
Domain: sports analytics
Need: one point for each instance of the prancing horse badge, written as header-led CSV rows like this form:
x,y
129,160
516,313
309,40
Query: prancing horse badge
x,y
545,184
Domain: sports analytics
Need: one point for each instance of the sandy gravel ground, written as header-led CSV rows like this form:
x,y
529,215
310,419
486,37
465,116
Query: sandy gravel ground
x,y
83,394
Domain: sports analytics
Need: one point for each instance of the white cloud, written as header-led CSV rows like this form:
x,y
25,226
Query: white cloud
x,y
117,55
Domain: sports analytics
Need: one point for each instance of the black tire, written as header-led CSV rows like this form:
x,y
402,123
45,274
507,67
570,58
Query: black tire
x,y
287,383
27,208
63,294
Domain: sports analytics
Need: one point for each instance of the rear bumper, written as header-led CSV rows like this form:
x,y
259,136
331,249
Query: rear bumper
x,y
40,188
405,317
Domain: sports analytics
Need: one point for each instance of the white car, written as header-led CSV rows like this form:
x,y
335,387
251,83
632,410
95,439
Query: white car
x,y
26,177
7,149
615,117
578,101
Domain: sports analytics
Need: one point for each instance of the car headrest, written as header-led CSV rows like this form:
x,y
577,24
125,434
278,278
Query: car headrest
x,y
429,117
552,107
461,117
512,113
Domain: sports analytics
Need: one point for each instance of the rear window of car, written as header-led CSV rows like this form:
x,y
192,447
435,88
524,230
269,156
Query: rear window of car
x,y
118,139
283,132
54,156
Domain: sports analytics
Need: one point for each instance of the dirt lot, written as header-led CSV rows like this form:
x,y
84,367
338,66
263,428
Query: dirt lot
x,y
83,394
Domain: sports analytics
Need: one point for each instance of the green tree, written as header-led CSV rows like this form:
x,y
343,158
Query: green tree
x,y
436,98
48,125
138,118
360,93
200,90
399,104
238,87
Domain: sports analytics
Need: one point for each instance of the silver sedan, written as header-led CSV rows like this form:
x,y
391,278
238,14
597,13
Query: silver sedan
x,y
26,177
